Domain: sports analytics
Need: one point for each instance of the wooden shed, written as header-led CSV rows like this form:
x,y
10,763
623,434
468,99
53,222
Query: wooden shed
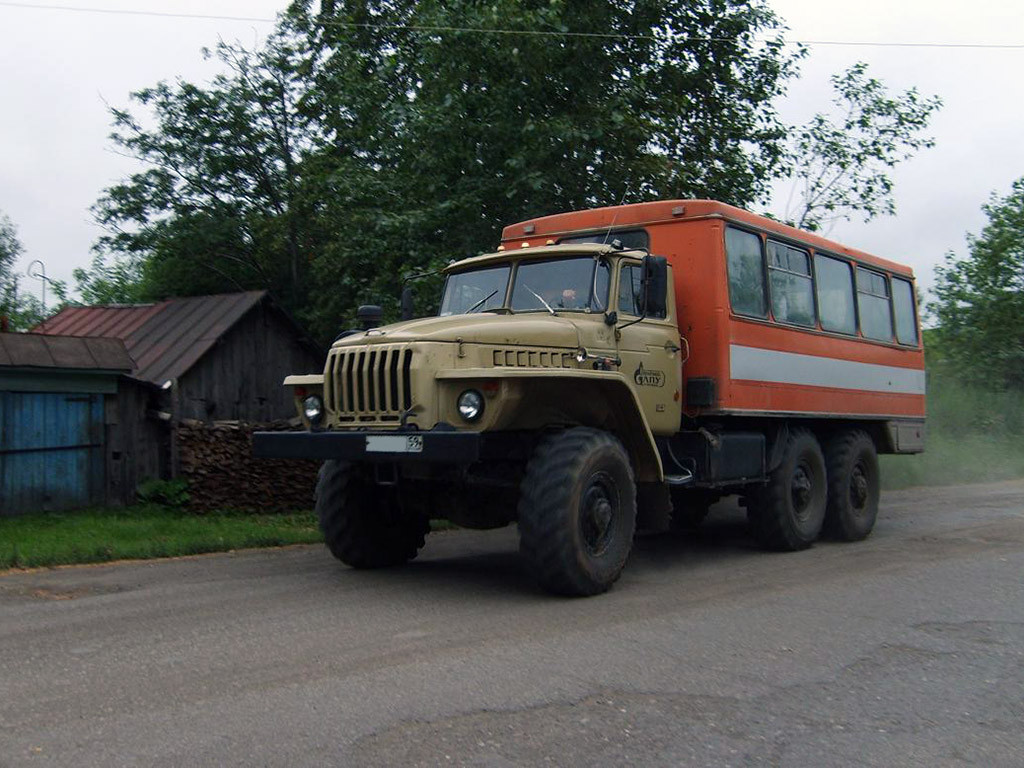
x,y
201,359
60,425
219,357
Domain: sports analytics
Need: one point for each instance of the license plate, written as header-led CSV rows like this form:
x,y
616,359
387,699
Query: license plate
x,y
394,443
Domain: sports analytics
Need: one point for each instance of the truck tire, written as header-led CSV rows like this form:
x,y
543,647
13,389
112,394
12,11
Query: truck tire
x,y
853,485
787,513
365,526
577,511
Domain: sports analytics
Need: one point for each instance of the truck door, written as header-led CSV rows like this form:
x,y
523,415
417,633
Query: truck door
x,y
650,351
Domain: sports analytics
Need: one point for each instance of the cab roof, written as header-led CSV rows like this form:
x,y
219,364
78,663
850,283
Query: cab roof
x,y
542,252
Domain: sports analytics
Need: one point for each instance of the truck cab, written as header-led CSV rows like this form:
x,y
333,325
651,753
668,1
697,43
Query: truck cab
x,y
529,345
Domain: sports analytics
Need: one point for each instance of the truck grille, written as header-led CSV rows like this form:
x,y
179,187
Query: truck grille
x,y
369,383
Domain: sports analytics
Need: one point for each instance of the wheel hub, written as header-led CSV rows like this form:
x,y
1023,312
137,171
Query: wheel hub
x,y
858,487
597,515
800,491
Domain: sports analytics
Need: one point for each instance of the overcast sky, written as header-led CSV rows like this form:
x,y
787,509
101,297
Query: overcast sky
x,y
61,68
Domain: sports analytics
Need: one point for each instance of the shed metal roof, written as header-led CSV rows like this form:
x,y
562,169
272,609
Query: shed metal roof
x,y
36,350
166,338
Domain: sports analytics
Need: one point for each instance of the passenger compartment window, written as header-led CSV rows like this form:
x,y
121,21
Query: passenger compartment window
x,y
789,270
835,294
873,303
746,273
903,303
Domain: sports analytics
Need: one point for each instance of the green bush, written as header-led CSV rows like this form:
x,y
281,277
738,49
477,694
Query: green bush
x,y
167,493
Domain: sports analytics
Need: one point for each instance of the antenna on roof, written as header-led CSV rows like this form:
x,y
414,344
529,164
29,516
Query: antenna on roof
x,y
615,216
40,275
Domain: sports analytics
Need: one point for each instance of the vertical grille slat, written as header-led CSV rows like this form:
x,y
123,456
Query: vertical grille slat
x,y
360,379
371,381
382,400
407,380
335,387
348,402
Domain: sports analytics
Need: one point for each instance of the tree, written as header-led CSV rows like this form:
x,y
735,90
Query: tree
x,y
22,311
840,163
110,281
468,116
980,299
219,206
373,138
10,249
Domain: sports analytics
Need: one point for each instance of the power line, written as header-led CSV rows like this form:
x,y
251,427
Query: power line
x,y
496,31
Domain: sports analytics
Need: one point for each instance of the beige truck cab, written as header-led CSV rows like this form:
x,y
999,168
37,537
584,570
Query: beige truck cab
x,y
535,396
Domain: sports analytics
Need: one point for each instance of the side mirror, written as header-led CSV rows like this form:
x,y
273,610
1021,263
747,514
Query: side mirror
x,y
655,277
408,309
369,316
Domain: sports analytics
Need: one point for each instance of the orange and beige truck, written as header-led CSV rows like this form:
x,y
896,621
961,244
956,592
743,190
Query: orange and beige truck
x,y
617,368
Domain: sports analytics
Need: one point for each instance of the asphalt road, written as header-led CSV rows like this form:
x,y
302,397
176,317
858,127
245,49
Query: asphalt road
x,y
904,650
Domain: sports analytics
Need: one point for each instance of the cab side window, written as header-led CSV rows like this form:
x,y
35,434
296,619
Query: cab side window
x,y
631,296
631,291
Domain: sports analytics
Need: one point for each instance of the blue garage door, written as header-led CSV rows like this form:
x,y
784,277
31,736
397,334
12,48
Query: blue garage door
x,y
51,451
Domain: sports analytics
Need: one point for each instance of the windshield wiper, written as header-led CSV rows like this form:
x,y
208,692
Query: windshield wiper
x,y
482,301
540,299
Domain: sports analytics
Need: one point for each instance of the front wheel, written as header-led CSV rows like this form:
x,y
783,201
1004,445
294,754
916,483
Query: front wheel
x,y
365,525
577,511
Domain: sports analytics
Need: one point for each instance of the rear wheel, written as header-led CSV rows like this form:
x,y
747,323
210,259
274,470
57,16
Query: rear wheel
x,y
577,511
853,485
366,525
788,513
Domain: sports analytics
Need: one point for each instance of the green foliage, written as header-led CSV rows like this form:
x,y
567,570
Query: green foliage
x,y
973,436
20,311
145,531
168,493
980,300
23,310
841,162
219,207
110,281
368,140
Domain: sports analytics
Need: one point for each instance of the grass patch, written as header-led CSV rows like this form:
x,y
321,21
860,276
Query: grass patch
x,y
974,436
144,531
954,461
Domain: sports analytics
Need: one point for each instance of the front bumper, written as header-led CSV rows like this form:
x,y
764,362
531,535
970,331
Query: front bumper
x,y
391,447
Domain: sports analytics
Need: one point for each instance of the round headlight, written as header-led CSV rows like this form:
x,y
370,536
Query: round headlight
x,y
313,408
471,405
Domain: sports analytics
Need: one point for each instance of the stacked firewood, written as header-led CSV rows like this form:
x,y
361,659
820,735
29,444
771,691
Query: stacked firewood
x,y
217,462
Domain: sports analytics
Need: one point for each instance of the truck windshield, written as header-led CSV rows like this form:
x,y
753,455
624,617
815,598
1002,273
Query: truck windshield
x,y
575,284
579,284
474,291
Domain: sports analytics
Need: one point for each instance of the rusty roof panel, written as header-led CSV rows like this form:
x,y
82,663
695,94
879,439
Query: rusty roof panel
x,y
165,339
36,350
